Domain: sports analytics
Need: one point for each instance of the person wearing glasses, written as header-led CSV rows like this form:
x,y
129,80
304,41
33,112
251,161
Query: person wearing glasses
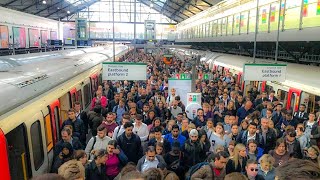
x,y
266,169
252,170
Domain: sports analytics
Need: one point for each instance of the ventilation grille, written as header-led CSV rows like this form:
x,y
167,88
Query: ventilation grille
x,y
31,81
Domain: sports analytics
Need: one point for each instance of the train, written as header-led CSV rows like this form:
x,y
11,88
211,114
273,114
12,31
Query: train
x,y
300,87
36,91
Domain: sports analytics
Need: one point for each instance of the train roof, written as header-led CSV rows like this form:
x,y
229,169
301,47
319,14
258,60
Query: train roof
x,y
25,81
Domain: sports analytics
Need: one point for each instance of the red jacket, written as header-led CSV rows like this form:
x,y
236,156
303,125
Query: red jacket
x,y
103,100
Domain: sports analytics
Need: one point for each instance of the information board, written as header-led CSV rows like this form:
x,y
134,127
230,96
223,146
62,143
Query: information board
x,y
265,72
194,98
124,71
182,86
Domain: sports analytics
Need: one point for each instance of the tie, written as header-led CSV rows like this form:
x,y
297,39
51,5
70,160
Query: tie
x,y
300,114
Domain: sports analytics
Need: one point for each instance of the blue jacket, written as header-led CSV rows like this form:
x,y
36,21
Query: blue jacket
x,y
78,128
181,139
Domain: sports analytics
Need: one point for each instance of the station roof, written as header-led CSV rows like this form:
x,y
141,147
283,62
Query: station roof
x,y
177,10
53,9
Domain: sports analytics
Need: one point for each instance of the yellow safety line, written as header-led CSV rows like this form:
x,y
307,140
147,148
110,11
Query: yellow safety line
x,y
24,166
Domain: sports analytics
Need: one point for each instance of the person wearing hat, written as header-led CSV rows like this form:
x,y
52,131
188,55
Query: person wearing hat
x,y
193,149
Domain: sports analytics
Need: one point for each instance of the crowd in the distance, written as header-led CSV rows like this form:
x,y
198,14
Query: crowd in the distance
x,y
139,131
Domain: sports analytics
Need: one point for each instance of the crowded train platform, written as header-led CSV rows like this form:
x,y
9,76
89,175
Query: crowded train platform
x,y
141,130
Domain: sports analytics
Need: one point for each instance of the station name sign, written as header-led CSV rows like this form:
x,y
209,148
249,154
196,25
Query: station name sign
x,y
124,71
265,72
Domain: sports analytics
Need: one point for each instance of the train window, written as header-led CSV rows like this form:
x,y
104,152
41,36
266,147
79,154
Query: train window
x,y
293,101
73,99
86,95
282,95
18,154
313,102
100,78
37,147
79,97
57,120
47,123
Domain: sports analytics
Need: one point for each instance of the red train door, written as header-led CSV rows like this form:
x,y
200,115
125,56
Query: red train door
x,y
4,165
55,119
293,99
73,96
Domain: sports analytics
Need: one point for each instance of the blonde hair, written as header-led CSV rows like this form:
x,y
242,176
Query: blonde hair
x,y
267,158
236,155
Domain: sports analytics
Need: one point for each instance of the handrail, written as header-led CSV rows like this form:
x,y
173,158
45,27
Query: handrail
x,y
24,166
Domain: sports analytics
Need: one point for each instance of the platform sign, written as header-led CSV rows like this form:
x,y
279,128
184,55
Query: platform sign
x,y
182,76
182,86
265,72
205,76
194,98
124,71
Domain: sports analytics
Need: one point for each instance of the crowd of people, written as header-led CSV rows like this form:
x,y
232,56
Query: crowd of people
x,y
139,130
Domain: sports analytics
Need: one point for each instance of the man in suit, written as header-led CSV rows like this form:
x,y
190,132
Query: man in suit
x,y
260,100
301,116
272,98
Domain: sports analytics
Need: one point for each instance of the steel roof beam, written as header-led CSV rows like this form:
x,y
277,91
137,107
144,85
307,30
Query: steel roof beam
x,y
7,4
52,5
62,8
181,7
178,5
159,10
205,1
33,4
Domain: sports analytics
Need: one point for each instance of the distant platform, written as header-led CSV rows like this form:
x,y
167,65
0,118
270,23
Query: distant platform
x,y
159,46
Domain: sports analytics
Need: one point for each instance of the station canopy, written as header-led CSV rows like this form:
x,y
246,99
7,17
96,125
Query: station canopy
x,y
175,10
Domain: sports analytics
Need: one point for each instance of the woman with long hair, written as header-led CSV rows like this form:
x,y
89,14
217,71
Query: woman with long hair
x,y
218,137
231,110
239,160
155,123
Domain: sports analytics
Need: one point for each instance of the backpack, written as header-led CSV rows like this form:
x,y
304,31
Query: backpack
x,y
126,109
94,142
195,168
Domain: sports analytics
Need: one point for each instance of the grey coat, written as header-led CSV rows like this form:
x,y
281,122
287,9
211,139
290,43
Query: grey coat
x,y
141,161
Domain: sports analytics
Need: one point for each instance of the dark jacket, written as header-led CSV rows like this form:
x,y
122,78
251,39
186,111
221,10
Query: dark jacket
x,y
271,139
112,104
92,172
76,145
296,149
243,137
198,122
166,144
230,167
131,147
301,119
78,128
95,120
193,153
258,177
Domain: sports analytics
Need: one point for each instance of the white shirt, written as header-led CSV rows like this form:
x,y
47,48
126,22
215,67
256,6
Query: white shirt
x,y
142,131
251,137
149,164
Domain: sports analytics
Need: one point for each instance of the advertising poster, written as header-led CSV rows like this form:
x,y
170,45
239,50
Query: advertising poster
x,y
53,35
4,37
34,37
19,37
44,36
69,30
273,14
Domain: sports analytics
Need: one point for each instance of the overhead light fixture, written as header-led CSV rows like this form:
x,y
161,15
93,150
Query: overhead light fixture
x,y
151,5
68,12
58,7
44,2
